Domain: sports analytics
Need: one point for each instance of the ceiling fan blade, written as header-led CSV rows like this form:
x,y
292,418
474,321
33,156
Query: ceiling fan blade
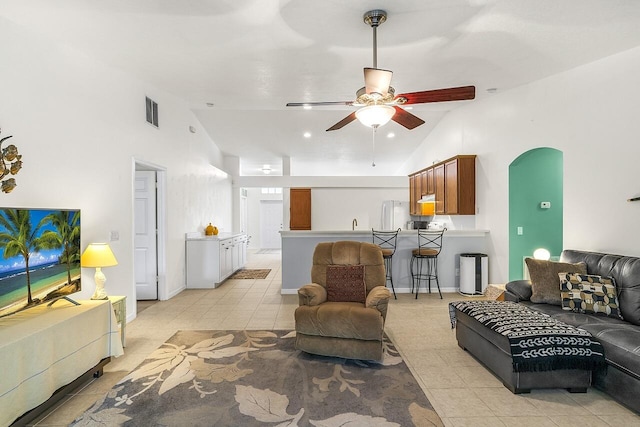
x,y
377,80
351,117
314,104
406,119
439,95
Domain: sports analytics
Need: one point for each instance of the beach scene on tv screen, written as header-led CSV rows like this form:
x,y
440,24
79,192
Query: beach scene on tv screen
x,y
39,257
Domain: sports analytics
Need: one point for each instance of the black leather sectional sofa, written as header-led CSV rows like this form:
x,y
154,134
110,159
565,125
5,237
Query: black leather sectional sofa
x,y
620,338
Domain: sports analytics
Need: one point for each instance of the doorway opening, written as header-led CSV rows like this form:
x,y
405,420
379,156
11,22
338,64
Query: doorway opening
x,y
535,206
149,229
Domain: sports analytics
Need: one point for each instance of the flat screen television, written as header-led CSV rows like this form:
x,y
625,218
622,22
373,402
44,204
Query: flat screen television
x,y
39,257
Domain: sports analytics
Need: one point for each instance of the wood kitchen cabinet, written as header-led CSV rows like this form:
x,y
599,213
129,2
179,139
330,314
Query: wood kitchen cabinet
x,y
453,182
412,195
430,185
460,185
439,177
300,209
417,194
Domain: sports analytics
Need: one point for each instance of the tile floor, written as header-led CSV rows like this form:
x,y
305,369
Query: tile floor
x,y
461,390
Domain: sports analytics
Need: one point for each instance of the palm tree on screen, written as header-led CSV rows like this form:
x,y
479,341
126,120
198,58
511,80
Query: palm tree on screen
x,y
67,237
19,237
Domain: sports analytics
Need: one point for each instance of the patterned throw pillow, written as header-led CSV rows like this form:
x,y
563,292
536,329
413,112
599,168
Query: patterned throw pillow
x,y
345,283
587,293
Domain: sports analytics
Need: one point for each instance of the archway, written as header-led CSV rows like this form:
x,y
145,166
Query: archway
x,y
535,176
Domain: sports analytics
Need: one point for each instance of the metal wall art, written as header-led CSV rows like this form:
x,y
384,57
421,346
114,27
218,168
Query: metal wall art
x,y
10,163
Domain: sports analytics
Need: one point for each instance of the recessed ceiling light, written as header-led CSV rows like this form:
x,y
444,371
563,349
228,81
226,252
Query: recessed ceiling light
x,y
391,135
307,107
307,134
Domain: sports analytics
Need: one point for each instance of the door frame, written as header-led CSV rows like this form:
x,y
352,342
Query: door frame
x,y
161,222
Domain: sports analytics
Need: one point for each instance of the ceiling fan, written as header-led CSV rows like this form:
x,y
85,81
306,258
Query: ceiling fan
x,y
377,99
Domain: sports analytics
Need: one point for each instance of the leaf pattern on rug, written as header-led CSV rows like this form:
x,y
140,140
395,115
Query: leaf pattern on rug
x,y
264,405
423,417
351,419
253,377
345,384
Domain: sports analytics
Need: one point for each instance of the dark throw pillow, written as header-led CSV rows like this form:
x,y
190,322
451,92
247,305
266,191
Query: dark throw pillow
x,y
545,283
345,283
587,293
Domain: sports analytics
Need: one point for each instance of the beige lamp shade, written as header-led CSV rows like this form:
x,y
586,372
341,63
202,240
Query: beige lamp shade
x,y
98,255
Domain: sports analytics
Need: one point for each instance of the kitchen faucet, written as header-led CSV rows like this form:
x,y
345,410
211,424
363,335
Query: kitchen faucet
x,y
354,223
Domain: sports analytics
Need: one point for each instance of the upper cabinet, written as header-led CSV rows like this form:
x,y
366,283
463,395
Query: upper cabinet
x,y
453,182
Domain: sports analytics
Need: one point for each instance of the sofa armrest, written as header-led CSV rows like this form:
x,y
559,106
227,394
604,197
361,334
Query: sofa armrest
x,y
378,298
312,294
518,290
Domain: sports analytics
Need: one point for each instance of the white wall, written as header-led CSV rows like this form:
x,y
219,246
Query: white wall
x,y
336,208
590,113
78,125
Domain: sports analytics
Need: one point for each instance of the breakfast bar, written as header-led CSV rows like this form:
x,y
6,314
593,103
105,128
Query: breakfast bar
x,y
298,246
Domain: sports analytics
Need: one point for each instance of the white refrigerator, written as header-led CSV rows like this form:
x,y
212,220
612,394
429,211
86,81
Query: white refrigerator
x,y
395,214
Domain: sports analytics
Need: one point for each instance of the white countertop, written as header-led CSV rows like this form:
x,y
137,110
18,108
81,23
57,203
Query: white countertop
x,y
220,236
328,233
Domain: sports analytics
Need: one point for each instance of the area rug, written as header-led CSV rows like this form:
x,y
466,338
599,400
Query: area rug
x,y
248,273
257,378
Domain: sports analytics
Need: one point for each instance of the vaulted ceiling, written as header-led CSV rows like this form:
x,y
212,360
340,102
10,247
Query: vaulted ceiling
x,y
238,62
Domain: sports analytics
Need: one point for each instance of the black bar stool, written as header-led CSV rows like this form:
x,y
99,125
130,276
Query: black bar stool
x,y
426,256
387,242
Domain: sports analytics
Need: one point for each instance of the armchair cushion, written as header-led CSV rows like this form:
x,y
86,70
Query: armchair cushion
x,y
347,320
345,283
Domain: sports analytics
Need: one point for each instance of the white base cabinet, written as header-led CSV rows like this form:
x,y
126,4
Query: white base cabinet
x,y
210,260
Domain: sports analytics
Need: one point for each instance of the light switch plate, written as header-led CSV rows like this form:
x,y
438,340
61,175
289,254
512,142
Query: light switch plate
x,y
545,205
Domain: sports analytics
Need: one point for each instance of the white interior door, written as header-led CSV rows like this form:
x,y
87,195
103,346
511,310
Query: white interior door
x,y
270,224
145,253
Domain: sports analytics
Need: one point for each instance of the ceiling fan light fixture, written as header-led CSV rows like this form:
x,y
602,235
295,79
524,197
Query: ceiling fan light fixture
x,y
375,115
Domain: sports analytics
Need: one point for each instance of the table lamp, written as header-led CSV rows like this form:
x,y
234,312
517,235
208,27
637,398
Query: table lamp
x,y
98,255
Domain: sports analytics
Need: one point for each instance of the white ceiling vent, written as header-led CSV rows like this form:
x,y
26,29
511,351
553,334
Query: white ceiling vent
x,y
152,111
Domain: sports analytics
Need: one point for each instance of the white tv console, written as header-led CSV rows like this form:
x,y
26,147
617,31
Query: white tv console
x,y
45,348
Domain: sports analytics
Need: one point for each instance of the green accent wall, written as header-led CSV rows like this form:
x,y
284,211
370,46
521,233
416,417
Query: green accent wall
x,y
534,177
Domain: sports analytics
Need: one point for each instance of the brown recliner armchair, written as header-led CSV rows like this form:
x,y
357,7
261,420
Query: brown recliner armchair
x,y
328,325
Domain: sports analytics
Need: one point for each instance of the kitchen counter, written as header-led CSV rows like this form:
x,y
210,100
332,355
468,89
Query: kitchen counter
x,y
220,236
402,233
298,247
